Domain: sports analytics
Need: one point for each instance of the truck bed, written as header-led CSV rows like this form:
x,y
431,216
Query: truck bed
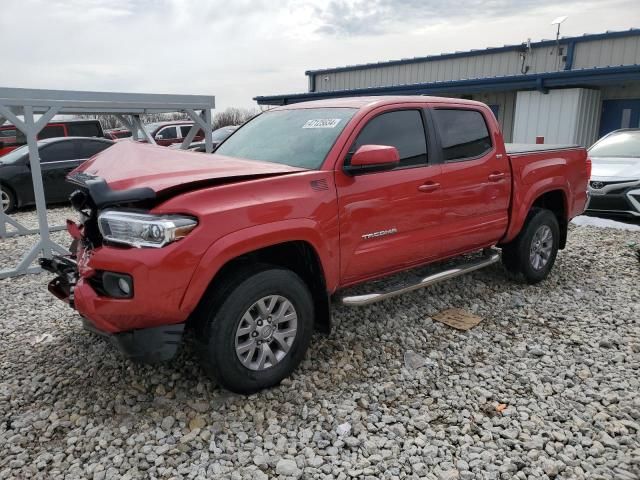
x,y
519,148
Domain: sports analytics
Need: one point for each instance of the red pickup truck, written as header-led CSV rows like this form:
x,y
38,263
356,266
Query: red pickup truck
x,y
248,245
12,138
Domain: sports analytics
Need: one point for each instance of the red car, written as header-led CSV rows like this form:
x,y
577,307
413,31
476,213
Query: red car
x,y
12,138
117,133
168,133
298,204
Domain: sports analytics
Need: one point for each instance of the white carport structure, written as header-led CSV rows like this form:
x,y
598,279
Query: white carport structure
x,y
127,107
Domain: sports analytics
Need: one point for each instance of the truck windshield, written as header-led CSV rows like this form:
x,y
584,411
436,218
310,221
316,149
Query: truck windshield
x,y
623,144
299,138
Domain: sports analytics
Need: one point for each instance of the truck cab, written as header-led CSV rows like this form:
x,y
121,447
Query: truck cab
x,y
12,138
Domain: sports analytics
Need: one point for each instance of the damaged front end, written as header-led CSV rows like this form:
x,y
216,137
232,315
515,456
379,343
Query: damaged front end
x,y
66,271
103,297
65,267
93,195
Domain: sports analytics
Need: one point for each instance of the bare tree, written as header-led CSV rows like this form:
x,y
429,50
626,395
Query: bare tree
x,y
233,116
230,116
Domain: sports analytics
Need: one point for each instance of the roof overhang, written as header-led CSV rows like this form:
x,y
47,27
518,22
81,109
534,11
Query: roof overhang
x,y
589,78
77,102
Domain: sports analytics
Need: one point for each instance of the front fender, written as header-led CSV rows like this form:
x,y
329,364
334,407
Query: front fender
x,y
254,238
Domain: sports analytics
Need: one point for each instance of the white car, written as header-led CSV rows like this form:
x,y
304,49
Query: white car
x,y
614,186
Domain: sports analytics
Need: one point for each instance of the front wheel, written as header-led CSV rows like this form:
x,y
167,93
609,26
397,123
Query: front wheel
x,y
7,200
257,329
533,252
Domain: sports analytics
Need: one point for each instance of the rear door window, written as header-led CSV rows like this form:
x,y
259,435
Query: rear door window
x,y
58,152
90,148
403,129
84,130
463,133
185,131
51,131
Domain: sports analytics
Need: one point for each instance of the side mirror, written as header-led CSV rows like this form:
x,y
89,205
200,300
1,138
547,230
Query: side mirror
x,y
373,158
159,136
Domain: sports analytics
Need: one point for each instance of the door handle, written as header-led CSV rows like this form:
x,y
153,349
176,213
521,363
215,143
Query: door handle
x,y
496,176
429,187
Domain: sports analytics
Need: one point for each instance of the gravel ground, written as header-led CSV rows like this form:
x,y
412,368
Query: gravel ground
x,y
547,386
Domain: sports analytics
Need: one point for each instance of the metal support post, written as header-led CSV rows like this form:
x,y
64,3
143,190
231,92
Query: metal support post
x,y
208,139
190,136
44,245
204,122
126,106
128,125
138,125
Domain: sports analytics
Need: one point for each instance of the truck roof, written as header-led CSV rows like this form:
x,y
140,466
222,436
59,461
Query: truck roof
x,y
7,125
361,102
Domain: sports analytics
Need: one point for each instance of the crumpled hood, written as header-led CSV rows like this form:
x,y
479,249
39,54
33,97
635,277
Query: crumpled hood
x,y
614,167
128,165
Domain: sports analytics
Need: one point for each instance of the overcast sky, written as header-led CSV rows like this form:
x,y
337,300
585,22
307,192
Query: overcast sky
x,y
237,49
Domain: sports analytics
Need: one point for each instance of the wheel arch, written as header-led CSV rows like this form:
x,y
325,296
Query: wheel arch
x,y
299,253
551,194
556,202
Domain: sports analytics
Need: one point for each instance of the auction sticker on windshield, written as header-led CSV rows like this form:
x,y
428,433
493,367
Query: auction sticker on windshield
x,y
322,123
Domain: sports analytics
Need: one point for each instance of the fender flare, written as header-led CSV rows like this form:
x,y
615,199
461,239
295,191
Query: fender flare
x,y
523,202
250,239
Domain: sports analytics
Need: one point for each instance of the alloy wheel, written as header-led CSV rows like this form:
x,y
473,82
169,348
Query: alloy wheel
x,y
266,332
541,247
5,201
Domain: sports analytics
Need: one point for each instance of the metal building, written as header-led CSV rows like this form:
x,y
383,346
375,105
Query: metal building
x,y
572,90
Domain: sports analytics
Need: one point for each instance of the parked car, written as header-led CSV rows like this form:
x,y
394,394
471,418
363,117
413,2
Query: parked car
x,y
117,133
168,133
58,157
8,138
300,203
12,138
217,136
614,186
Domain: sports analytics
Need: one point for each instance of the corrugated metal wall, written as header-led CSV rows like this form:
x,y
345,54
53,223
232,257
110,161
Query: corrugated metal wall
x,y
588,54
506,102
607,52
562,116
478,66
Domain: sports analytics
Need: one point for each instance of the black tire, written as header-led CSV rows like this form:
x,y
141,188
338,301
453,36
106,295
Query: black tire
x,y
517,255
7,195
220,316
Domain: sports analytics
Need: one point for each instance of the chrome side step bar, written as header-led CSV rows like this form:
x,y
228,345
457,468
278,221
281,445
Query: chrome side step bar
x,y
449,273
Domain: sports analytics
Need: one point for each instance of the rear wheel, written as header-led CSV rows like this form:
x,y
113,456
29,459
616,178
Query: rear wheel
x,y
533,252
7,199
257,329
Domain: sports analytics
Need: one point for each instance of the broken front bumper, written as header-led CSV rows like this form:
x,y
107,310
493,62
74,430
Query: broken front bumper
x,y
149,345
66,269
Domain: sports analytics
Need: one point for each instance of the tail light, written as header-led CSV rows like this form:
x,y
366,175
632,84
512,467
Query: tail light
x,y
588,163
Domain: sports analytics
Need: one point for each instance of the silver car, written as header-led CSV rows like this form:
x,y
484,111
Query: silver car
x,y
615,177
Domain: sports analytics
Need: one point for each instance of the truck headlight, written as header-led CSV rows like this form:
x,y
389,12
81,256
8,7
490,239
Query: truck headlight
x,y
144,230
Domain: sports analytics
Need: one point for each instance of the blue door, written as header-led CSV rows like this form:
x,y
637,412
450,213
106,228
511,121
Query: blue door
x,y
619,114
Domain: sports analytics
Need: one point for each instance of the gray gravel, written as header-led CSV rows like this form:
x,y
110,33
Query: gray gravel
x,y
545,387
